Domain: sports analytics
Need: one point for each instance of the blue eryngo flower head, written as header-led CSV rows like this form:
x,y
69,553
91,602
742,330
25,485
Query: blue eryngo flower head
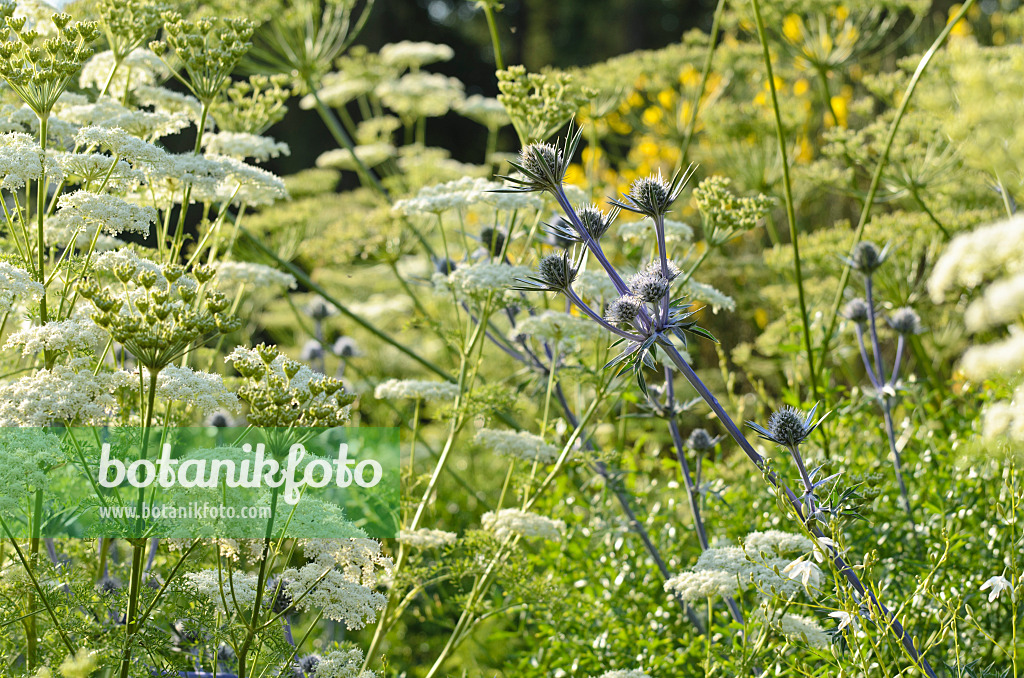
x,y
653,195
700,440
444,265
867,258
108,585
312,350
649,286
543,165
905,321
624,310
306,666
857,310
493,240
345,347
319,309
788,427
591,224
555,273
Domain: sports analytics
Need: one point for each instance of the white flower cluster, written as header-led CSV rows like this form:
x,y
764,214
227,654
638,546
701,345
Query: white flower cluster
x,y
642,231
226,596
634,673
231,274
420,95
121,145
451,195
776,542
556,327
795,627
408,54
595,286
477,282
394,389
425,538
337,90
998,358
710,295
508,522
340,580
764,562
1005,418
140,67
168,101
95,168
972,257
21,160
342,664
64,393
75,334
241,145
519,444
203,390
488,112
111,213
700,585
1001,303
370,155
16,283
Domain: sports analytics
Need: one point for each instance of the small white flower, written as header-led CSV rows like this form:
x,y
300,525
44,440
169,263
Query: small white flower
x,y
805,571
844,618
998,584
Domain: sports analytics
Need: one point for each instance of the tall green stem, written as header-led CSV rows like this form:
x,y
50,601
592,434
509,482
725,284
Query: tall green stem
x,y
788,193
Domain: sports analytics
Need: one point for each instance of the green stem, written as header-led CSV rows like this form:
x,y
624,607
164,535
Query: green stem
x,y
788,192
691,124
492,27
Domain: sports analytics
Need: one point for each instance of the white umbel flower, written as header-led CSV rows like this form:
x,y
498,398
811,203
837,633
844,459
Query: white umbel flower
x,y
71,335
424,538
231,274
224,594
140,67
342,664
519,444
508,522
113,214
632,673
21,160
408,54
16,283
702,584
241,145
203,390
971,257
394,389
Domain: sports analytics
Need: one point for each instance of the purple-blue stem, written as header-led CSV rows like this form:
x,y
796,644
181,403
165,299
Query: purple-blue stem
x,y
580,304
891,622
692,495
868,291
890,430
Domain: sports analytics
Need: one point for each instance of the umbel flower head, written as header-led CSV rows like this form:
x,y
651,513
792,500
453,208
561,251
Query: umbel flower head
x,y
653,195
857,310
867,258
543,165
905,321
555,273
787,427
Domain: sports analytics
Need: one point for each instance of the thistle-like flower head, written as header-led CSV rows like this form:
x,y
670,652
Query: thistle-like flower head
x,y
493,240
594,220
857,310
649,286
787,427
543,165
653,195
555,273
700,440
905,321
867,258
624,310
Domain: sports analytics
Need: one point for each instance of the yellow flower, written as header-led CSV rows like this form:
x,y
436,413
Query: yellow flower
x,y
80,665
793,28
667,98
689,76
635,99
653,115
575,175
962,28
648,149
801,87
761,318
